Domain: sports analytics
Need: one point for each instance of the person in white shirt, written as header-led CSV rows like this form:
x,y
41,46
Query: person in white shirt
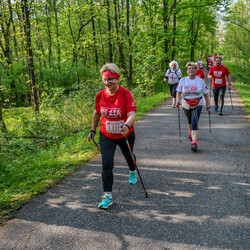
x,y
173,75
200,63
192,89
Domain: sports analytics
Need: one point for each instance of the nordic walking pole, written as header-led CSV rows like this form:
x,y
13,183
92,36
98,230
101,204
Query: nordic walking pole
x,y
96,144
231,98
209,121
179,124
133,158
211,87
92,133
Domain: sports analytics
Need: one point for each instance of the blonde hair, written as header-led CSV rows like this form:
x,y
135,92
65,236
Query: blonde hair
x,y
191,64
197,65
174,62
111,67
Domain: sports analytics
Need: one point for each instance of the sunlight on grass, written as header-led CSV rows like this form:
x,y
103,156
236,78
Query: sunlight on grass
x,y
241,81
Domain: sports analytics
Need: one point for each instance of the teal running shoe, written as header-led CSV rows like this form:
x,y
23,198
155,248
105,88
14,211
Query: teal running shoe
x,y
106,202
132,177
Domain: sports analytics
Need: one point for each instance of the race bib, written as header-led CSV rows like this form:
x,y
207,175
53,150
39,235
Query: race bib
x,y
112,127
218,81
185,105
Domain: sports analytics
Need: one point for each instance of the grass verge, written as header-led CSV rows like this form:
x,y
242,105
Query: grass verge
x,y
241,82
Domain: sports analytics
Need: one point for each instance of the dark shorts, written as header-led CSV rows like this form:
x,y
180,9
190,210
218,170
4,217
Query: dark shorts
x,y
172,89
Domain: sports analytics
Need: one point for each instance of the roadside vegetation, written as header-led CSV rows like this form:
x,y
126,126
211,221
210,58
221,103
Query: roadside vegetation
x,y
241,81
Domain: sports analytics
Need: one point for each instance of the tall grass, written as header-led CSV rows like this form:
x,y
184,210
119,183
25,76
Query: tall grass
x,y
241,81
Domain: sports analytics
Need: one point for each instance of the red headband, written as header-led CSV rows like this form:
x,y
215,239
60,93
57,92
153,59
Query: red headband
x,y
110,74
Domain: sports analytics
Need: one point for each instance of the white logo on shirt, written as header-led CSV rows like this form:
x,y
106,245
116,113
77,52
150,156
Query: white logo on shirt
x,y
111,112
217,73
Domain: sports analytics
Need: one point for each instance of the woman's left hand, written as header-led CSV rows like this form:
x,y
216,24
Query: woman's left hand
x,y
209,110
124,129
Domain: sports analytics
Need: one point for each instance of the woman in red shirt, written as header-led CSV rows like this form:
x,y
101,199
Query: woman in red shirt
x,y
199,72
115,106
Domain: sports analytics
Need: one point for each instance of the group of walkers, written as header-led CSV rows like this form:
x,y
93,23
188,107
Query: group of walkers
x,y
115,106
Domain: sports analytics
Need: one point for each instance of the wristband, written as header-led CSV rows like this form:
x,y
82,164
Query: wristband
x,y
92,132
126,125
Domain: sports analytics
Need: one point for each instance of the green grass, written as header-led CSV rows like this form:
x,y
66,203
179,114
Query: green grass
x,y
244,91
145,104
13,118
28,168
241,81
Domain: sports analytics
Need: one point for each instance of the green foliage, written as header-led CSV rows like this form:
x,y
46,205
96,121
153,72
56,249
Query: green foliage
x,y
70,42
236,34
241,83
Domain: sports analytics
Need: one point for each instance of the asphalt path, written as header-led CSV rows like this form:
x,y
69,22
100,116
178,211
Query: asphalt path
x,y
196,200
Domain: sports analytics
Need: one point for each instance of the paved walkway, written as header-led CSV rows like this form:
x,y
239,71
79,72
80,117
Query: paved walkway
x,y
196,200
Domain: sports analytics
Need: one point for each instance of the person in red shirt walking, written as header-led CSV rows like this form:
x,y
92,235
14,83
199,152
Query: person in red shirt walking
x,y
115,106
199,72
209,63
218,73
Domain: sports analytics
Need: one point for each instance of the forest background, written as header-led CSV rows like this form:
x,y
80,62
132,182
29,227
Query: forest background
x,y
50,56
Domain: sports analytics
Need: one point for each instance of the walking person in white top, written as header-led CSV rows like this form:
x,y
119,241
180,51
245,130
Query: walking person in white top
x,y
192,89
173,75
200,63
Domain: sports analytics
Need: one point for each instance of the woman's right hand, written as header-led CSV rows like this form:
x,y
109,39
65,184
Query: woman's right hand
x,y
91,135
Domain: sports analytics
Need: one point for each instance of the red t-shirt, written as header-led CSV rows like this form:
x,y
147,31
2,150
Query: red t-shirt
x,y
114,111
200,74
209,64
219,75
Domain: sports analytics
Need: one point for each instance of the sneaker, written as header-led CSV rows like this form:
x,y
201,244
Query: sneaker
x,y
106,202
173,106
220,113
194,147
216,109
190,137
132,177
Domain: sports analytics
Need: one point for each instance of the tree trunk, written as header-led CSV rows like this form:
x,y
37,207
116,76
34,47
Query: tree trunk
x,y
5,22
129,79
57,36
119,43
94,38
109,33
165,27
192,53
48,23
33,88
174,30
2,124
14,27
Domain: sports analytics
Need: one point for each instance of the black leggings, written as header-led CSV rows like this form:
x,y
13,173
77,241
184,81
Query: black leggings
x,y
108,147
193,116
219,93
